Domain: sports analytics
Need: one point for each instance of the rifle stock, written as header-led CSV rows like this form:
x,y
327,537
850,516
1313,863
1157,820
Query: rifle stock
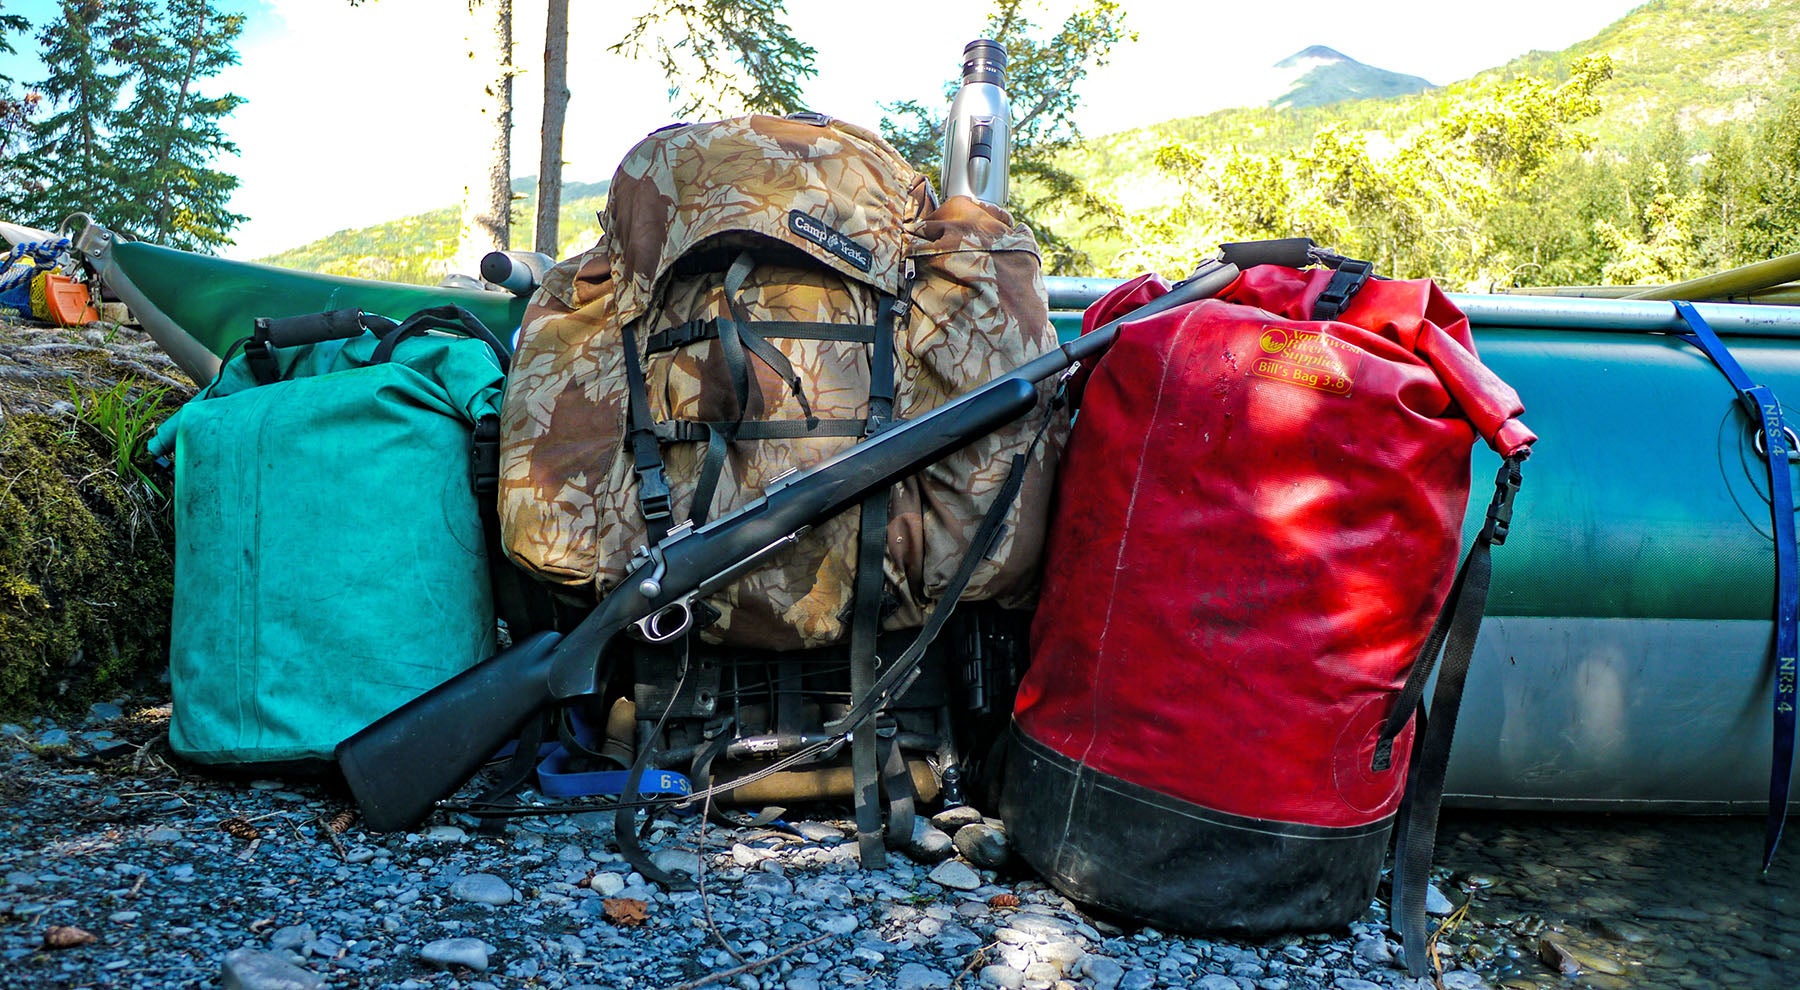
x,y
421,752
400,765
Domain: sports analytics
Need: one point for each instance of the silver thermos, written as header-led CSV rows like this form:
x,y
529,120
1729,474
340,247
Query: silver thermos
x,y
978,133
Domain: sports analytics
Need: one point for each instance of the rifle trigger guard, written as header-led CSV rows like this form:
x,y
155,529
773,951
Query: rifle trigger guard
x,y
666,623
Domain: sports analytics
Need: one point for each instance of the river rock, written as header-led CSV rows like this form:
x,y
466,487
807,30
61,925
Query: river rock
x,y
956,876
913,976
677,863
1005,976
951,819
483,888
251,969
928,843
291,938
983,845
447,952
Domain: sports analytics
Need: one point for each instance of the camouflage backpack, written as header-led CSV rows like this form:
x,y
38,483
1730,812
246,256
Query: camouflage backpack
x,y
767,292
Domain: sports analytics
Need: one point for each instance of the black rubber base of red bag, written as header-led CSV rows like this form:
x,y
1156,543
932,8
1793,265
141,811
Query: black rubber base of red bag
x,y
1145,855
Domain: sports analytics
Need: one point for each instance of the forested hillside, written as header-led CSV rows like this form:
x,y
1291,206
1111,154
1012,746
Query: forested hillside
x,y
1666,146
418,248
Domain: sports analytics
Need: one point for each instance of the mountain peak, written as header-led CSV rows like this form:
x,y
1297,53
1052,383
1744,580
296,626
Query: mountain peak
x,y
1318,75
1315,55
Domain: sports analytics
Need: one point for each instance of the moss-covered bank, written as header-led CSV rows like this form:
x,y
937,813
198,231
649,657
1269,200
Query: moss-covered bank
x,y
86,556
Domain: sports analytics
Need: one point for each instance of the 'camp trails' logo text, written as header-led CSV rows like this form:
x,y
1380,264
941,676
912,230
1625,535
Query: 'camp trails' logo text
x,y
835,241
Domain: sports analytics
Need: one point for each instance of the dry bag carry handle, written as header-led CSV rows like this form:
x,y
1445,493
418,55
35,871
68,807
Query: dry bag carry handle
x,y
1454,634
1765,411
449,319
269,334
1347,278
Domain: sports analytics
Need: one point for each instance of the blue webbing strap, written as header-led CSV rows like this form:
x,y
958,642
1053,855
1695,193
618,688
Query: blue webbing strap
x,y
1763,407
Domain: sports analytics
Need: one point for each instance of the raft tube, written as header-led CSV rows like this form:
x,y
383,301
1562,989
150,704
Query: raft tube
x,y
196,306
1625,663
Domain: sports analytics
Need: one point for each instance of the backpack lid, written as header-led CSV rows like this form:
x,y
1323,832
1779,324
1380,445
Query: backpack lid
x,y
832,190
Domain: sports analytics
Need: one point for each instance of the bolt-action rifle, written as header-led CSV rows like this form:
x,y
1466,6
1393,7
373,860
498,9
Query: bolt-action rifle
x,y
418,754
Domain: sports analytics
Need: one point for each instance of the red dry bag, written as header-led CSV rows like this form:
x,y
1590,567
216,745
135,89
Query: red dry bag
x,y
1257,522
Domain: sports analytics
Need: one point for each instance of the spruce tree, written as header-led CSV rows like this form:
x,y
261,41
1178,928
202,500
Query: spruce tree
x,y
175,134
71,165
16,108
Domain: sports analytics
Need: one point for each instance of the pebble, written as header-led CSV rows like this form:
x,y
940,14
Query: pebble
x,y
983,845
249,969
291,937
955,875
951,819
929,844
104,711
1005,976
53,737
299,911
483,888
447,952
677,863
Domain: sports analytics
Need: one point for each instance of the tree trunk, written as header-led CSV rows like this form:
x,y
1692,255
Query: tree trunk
x,y
556,107
487,198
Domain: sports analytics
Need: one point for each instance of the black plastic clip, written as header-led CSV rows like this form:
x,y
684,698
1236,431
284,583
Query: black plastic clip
x,y
1384,754
1500,510
654,497
484,456
1347,280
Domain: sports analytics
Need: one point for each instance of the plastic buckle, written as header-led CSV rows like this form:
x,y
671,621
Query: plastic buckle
x,y
484,456
1499,513
654,497
1347,280
1384,755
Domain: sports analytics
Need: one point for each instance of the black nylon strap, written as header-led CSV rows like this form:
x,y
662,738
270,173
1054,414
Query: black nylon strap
x,y
746,331
902,672
896,783
865,626
697,431
888,314
1454,632
518,769
653,495
706,486
447,319
694,331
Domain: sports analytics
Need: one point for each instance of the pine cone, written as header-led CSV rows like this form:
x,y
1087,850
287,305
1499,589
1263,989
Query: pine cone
x,y
240,828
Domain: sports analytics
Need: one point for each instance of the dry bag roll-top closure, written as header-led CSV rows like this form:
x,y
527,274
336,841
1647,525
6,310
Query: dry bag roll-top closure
x,y
766,293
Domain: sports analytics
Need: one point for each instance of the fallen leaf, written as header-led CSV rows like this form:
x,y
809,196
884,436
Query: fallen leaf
x,y
67,937
628,912
1004,901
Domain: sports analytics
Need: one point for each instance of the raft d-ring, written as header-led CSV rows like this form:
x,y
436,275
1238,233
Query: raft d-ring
x,y
1762,446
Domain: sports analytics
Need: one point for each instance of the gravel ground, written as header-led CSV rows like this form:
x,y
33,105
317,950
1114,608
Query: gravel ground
x,y
121,868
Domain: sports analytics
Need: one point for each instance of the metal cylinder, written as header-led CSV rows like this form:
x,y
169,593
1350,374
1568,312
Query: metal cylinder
x,y
978,131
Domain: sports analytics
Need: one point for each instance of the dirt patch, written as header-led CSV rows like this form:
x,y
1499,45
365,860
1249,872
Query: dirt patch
x,y
86,534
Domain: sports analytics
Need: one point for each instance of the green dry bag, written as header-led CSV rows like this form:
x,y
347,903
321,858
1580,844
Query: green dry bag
x,y
330,556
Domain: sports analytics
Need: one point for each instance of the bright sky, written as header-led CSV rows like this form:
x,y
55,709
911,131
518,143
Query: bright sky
x,y
354,114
